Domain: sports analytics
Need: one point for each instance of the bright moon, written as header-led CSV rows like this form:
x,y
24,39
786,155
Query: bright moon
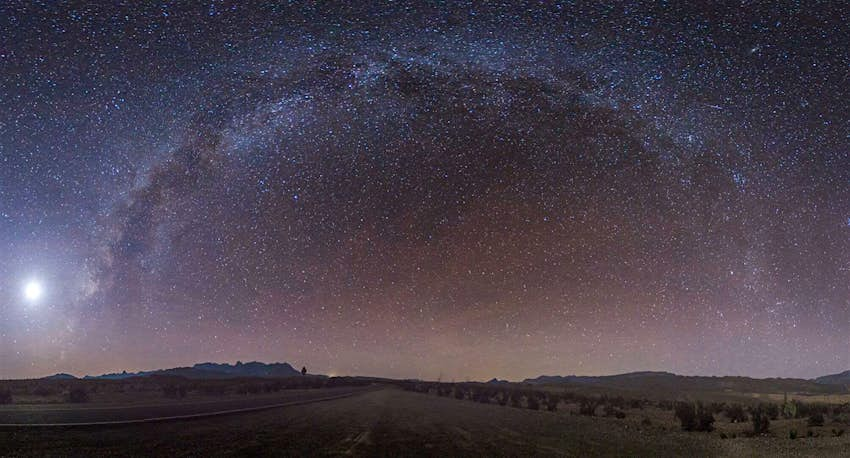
x,y
33,291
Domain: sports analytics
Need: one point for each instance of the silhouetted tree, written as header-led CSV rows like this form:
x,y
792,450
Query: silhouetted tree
x,y
304,370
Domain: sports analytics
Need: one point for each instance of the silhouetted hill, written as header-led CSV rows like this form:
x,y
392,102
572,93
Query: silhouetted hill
x,y
212,371
842,378
60,376
665,381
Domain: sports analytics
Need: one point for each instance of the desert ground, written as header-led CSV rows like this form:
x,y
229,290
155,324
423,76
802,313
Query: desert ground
x,y
385,419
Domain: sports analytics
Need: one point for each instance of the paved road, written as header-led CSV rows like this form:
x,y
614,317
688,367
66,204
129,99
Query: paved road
x,y
93,415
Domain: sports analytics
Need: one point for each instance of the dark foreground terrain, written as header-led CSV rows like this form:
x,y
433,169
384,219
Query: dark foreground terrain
x,y
387,421
90,415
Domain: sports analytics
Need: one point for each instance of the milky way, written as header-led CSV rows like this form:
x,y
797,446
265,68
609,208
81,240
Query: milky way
x,y
448,191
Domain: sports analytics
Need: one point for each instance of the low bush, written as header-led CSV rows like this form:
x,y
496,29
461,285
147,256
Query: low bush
x,y
587,407
78,395
687,415
43,390
761,420
532,402
174,391
736,414
515,400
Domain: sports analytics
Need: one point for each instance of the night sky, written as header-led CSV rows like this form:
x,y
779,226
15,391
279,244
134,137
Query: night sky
x,y
402,190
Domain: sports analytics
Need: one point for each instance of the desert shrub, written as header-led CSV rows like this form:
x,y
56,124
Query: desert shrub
x,y
687,415
789,408
78,395
249,388
612,411
705,419
459,393
772,411
806,409
515,400
809,433
646,421
716,407
842,418
695,417
43,390
618,402
837,432
792,434
273,387
532,402
760,419
587,407
816,419
5,396
552,403
723,436
174,391
214,390
736,413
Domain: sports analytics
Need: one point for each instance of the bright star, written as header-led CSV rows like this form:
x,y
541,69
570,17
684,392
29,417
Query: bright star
x,y
33,291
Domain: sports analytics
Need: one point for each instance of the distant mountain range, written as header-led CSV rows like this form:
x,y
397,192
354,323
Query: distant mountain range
x,y
647,380
669,382
842,378
203,371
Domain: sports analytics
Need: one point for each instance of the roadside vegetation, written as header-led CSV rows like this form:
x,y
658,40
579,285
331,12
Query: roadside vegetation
x,y
139,389
792,418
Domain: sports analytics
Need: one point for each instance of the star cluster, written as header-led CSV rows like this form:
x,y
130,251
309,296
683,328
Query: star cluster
x,y
426,189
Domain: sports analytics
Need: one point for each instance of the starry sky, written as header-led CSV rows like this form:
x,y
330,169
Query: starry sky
x,y
425,189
